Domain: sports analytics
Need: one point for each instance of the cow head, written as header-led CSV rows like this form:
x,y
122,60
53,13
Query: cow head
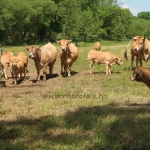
x,y
64,44
138,43
119,61
33,51
14,61
136,73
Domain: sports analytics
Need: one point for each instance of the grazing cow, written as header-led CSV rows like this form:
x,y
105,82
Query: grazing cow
x,y
43,56
5,61
97,46
18,66
68,55
140,48
141,75
106,58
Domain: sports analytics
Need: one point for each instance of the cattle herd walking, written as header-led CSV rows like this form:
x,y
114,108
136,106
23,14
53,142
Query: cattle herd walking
x,y
46,55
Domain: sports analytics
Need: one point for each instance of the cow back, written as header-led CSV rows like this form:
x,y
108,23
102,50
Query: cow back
x,y
74,50
48,53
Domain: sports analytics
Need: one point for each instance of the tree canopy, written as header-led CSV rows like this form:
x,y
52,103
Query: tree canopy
x,y
80,20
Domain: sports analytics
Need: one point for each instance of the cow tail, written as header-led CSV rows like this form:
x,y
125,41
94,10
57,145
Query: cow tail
x,y
125,52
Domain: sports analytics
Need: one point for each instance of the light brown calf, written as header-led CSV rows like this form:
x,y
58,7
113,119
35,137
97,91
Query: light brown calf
x,y
97,46
17,68
106,58
5,61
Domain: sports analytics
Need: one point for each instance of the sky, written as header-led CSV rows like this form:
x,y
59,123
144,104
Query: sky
x,y
135,6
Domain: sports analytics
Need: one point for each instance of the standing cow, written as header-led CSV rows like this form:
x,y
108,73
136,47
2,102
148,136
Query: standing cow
x,y
68,54
97,46
43,56
22,57
140,48
5,61
18,66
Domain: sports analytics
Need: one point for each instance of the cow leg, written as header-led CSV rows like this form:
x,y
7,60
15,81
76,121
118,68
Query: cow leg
x,y
137,61
65,70
69,69
24,71
38,74
51,70
107,69
61,67
20,75
5,71
132,59
90,66
44,73
15,78
141,64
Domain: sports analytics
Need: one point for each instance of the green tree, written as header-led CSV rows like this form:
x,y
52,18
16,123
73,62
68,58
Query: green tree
x,y
69,14
139,28
118,32
144,15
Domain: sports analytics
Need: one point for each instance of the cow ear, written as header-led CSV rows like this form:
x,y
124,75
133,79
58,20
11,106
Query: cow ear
x,y
143,38
116,59
134,38
27,48
69,41
139,71
58,42
38,49
10,62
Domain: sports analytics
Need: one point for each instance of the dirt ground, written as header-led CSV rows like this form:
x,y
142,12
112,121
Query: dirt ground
x,y
30,86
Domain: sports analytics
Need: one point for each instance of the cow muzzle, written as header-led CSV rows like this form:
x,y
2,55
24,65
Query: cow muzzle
x,y
31,56
136,49
63,49
132,78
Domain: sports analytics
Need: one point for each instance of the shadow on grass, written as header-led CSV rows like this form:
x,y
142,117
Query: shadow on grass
x,y
73,73
106,127
48,76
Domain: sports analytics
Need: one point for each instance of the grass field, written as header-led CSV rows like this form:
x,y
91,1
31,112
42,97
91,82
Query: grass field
x,y
81,112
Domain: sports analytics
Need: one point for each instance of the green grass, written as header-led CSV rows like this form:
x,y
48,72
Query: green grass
x,y
82,112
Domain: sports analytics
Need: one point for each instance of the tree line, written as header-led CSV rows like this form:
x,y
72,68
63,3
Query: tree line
x,y
32,21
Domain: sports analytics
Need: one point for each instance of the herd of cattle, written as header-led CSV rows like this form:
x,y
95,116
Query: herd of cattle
x,y
45,56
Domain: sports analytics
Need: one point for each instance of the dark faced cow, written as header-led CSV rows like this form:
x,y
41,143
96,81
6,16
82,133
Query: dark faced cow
x,y
141,75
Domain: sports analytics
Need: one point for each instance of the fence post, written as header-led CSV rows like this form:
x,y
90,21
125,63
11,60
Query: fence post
x,y
1,68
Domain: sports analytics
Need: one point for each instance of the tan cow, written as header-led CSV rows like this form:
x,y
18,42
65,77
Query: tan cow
x,y
5,61
97,46
106,58
18,66
141,75
68,55
140,48
24,59
43,56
